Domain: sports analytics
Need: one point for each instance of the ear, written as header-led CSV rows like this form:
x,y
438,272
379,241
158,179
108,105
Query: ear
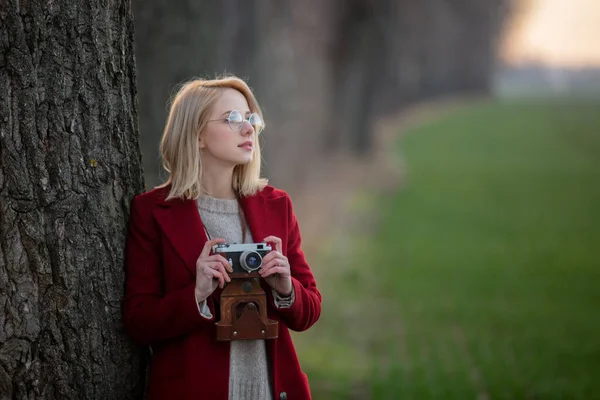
x,y
201,142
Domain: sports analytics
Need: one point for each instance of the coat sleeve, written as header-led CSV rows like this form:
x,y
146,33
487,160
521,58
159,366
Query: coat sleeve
x,y
306,308
149,314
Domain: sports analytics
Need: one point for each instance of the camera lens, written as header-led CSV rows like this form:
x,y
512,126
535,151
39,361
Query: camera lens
x,y
250,260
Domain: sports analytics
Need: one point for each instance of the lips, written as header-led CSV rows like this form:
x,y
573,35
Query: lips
x,y
246,145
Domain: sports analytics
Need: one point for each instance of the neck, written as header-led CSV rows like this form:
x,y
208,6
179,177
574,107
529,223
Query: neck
x,y
218,182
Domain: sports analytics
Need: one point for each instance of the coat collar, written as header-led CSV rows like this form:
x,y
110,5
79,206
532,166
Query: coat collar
x,y
182,225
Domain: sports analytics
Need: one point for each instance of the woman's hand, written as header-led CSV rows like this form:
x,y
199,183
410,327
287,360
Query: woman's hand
x,y
276,268
210,271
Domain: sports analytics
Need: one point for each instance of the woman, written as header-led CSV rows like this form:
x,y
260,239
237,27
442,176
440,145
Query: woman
x,y
214,194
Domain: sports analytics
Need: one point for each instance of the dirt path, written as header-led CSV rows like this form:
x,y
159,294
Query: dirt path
x,y
335,213
328,204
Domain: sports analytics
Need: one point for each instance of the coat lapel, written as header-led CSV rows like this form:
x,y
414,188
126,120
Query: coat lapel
x,y
180,221
265,216
256,215
257,211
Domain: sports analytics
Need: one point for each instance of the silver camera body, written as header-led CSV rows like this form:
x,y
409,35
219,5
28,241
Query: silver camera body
x,y
244,258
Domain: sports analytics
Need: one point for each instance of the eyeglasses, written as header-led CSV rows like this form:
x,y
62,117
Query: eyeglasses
x,y
236,121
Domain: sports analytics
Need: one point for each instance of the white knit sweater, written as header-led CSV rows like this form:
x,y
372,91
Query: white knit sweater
x,y
249,377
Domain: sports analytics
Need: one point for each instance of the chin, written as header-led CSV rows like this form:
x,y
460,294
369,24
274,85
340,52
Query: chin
x,y
244,161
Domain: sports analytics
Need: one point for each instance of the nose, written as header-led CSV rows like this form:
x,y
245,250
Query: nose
x,y
247,128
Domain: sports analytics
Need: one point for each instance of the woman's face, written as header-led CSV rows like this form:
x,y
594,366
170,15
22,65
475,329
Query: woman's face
x,y
221,144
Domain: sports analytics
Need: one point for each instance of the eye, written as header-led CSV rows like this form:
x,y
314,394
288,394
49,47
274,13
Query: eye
x,y
255,120
235,116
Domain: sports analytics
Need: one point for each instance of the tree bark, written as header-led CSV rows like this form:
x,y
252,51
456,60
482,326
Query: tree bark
x,y
69,165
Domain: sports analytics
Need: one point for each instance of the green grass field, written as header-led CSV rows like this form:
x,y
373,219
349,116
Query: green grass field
x,y
482,279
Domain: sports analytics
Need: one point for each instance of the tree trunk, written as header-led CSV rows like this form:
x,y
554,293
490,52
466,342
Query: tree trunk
x,y
69,165
358,63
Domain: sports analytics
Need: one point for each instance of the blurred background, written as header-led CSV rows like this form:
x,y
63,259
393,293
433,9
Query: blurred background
x,y
444,163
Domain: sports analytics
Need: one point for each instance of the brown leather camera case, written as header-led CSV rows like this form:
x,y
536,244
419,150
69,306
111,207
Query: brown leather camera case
x,y
244,310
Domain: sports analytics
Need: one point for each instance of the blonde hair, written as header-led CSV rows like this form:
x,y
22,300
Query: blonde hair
x,y
189,112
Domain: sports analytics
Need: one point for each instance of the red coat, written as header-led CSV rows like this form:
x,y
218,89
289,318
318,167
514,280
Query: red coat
x,y
159,308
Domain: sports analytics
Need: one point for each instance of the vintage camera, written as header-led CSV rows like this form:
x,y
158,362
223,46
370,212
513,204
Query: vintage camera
x,y
244,258
243,302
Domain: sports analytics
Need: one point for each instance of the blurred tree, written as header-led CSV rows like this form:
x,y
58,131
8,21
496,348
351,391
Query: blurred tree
x,y
69,165
323,70
272,44
358,62
294,86
441,48
180,40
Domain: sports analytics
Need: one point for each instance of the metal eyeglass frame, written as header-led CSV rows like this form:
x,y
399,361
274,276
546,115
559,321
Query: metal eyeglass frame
x,y
258,128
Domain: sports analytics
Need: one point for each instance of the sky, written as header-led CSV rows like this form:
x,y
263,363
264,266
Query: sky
x,y
556,32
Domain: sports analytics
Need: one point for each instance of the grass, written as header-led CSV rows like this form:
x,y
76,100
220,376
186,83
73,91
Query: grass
x,y
482,279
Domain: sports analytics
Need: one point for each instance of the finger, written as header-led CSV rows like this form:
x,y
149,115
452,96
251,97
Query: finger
x,y
217,265
215,274
270,264
275,256
276,241
276,270
208,246
277,259
214,281
274,264
222,260
271,255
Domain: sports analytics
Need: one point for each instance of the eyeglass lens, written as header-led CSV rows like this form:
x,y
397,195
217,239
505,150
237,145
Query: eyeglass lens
x,y
236,121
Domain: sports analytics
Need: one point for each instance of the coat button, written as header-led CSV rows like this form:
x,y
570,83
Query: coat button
x,y
283,396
